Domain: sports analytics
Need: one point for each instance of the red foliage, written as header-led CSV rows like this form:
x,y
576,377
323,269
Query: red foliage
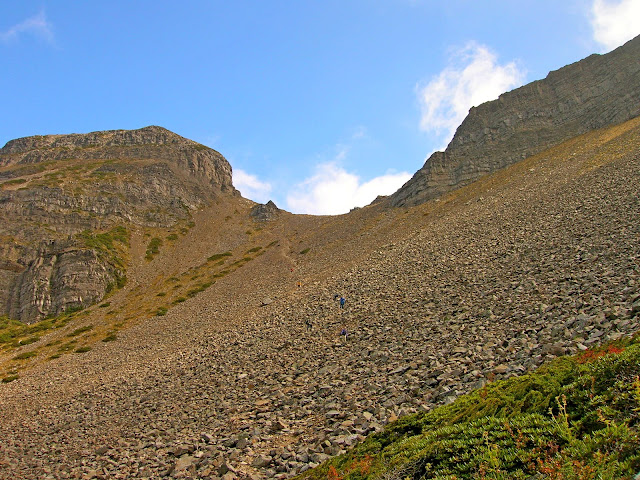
x,y
591,355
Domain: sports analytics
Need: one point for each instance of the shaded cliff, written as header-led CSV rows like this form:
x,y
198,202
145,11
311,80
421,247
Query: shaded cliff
x,y
596,92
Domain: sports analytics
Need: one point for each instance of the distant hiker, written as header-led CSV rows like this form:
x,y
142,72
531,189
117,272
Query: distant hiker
x,y
309,325
299,284
344,333
342,301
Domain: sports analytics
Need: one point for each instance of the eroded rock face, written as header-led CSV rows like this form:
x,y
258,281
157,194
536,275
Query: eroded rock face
x,y
53,187
61,276
598,91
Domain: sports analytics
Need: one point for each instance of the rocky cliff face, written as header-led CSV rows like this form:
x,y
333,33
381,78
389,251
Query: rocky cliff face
x,y
599,91
54,187
61,276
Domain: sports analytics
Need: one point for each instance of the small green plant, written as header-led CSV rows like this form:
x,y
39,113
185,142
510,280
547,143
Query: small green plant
x,y
218,256
25,355
9,378
305,251
153,248
67,347
80,330
111,337
254,249
28,341
15,181
173,237
161,311
82,349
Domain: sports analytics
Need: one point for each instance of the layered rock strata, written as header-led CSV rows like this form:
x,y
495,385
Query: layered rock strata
x,y
54,187
596,92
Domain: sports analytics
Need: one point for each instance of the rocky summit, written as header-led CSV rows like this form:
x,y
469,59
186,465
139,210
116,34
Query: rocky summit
x,y
221,349
55,187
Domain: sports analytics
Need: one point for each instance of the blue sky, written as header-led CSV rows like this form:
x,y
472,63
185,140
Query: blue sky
x,y
318,105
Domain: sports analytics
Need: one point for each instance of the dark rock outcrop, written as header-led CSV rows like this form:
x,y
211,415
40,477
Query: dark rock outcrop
x,y
596,92
265,212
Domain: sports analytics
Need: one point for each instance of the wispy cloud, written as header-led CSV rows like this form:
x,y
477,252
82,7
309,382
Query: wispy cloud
x,y
614,22
251,187
37,25
331,190
472,77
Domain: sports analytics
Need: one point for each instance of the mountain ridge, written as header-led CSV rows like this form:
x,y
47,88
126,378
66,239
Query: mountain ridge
x,y
592,93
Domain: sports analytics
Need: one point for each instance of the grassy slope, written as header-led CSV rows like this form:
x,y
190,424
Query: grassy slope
x,y
574,418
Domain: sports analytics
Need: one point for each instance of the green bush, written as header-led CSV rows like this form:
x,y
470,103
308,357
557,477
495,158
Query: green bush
x,y
25,355
574,418
218,256
80,330
153,248
110,337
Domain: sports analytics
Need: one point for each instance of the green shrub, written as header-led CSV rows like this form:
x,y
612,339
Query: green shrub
x,y
28,341
574,418
80,330
218,256
15,181
82,349
9,378
153,248
25,355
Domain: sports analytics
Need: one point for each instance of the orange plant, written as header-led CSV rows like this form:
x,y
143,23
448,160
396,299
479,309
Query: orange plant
x,y
364,465
333,474
591,355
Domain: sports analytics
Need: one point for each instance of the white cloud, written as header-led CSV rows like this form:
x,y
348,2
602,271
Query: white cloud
x,y
332,190
472,77
615,22
37,25
251,187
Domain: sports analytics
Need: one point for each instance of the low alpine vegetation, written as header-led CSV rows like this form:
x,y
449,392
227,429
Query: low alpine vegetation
x,y
574,418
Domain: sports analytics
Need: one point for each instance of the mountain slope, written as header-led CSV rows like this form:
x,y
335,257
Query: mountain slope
x,y
485,283
595,92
